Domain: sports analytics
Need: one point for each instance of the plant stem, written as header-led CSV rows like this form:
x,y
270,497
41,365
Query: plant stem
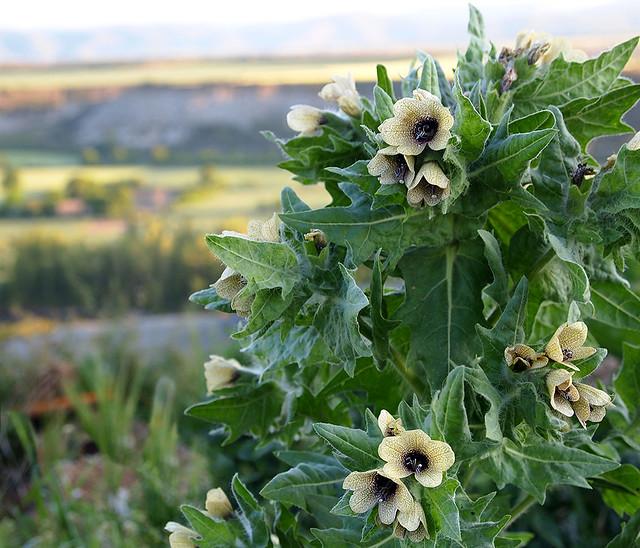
x,y
520,509
542,261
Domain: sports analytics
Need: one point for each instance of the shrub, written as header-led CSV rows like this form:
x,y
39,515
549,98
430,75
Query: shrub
x,y
452,400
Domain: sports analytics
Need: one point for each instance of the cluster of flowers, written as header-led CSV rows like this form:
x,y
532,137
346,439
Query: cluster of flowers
x,y
217,507
418,123
231,283
405,453
566,397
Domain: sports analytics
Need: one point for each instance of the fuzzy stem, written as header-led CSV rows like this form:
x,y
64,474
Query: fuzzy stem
x,y
520,509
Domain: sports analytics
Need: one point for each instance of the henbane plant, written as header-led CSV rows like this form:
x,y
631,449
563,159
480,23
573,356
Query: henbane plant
x,y
422,354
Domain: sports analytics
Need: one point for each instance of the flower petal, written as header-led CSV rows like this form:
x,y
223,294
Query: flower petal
x,y
583,352
562,406
429,477
441,456
572,336
582,410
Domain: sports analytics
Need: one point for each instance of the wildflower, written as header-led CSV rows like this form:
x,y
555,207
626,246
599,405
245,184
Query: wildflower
x,y
405,528
634,142
318,238
418,122
566,344
429,187
181,536
220,372
592,405
305,119
392,167
522,357
217,503
231,283
562,392
414,452
388,425
556,46
375,487
343,92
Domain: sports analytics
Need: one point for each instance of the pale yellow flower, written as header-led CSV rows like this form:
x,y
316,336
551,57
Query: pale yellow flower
x,y
181,536
375,487
562,392
392,167
429,187
566,344
412,525
556,46
592,405
634,142
521,357
305,119
217,503
220,372
414,452
388,425
418,122
343,92
231,283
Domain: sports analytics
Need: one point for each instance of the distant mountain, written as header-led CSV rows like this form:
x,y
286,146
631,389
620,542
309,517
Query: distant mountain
x,y
591,24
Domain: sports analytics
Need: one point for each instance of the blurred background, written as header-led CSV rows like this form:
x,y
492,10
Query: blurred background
x,y
127,131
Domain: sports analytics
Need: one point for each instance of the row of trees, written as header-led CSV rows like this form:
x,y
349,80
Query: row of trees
x,y
149,269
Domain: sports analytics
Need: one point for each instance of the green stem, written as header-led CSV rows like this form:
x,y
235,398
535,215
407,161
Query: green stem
x,y
520,509
542,262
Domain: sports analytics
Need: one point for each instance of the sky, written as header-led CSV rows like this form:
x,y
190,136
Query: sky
x,y
83,14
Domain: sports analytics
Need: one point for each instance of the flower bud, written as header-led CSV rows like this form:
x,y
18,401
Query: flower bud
x,y
220,372
217,504
305,119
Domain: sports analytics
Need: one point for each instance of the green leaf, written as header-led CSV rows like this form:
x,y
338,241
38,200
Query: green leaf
x,y
558,161
383,104
470,126
627,381
267,264
508,330
450,418
496,294
252,517
296,485
242,409
267,307
620,489
429,77
601,115
210,300
471,65
442,306
385,82
337,321
380,325
355,448
536,463
365,230
629,536
214,533
442,510
565,81
505,160
616,201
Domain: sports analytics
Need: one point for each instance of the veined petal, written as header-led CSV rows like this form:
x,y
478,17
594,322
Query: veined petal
x,y
583,352
573,335
441,456
429,478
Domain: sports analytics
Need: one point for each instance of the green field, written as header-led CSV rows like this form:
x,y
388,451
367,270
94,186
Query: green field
x,y
199,72
239,194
